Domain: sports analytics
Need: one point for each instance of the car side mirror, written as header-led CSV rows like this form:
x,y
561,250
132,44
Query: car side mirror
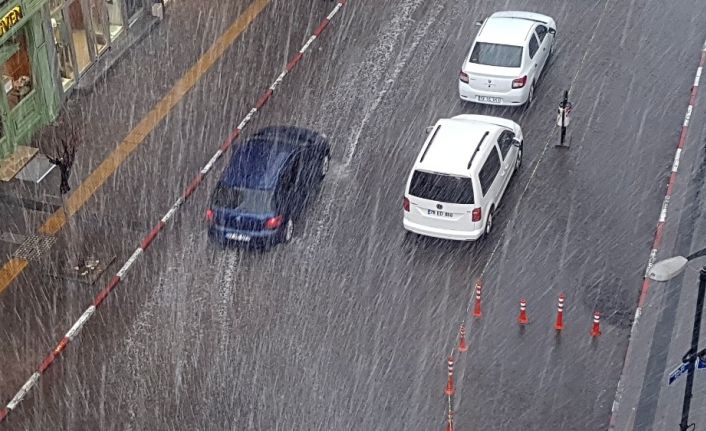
x,y
480,22
552,31
516,143
429,129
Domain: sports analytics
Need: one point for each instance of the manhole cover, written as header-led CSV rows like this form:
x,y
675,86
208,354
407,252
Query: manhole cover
x,y
34,247
85,269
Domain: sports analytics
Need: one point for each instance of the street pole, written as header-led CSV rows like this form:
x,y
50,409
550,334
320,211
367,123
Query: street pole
x,y
563,116
692,353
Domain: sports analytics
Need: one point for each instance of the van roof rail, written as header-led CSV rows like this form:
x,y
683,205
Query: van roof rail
x,y
431,141
477,149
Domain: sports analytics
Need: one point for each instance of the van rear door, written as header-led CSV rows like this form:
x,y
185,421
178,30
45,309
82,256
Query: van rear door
x,y
441,201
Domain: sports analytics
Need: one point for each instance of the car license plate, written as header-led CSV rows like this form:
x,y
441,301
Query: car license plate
x,y
439,213
490,99
238,237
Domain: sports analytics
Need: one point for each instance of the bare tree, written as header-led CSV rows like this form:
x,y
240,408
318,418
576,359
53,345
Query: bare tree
x,y
59,141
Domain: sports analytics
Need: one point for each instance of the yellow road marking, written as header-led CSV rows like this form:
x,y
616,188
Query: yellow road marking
x,y
137,135
10,271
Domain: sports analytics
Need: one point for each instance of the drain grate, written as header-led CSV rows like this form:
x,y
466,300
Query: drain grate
x,y
34,247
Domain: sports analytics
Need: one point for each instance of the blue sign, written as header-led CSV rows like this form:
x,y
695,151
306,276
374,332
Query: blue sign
x,y
679,371
700,365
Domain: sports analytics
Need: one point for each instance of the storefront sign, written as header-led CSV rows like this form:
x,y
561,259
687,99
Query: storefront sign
x,y
10,19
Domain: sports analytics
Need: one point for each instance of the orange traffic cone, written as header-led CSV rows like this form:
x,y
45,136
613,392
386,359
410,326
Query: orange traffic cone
x,y
596,330
522,319
462,346
450,383
559,324
476,307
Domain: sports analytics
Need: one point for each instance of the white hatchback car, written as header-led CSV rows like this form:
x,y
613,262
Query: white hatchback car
x,y
507,58
460,176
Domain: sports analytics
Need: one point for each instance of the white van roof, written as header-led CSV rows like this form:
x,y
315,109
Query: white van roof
x,y
454,144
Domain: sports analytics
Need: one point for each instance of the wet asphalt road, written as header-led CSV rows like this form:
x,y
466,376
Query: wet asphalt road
x,y
349,326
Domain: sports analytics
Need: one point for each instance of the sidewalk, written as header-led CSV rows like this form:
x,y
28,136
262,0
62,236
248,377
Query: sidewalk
x,y
662,334
107,106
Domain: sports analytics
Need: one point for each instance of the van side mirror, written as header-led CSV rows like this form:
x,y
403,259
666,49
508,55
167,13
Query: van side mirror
x,y
480,22
429,129
552,31
516,143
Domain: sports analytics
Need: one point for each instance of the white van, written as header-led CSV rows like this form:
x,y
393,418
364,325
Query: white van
x,y
460,176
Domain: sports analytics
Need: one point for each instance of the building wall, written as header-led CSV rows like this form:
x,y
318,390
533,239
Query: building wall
x,y
41,105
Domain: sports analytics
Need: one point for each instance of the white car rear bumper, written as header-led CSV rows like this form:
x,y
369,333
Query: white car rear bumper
x,y
514,97
454,235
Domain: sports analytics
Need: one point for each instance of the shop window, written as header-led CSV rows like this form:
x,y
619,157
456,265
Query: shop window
x,y
133,8
17,71
115,18
62,41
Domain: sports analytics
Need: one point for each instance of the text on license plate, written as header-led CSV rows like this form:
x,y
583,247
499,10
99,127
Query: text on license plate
x,y
490,99
238,237
439,213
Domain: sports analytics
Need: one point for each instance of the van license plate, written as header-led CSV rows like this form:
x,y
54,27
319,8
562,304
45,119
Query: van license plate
x,y
490,99
238,237
439,213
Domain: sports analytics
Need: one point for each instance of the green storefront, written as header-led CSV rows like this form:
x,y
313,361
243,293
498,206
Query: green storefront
x,y
30,96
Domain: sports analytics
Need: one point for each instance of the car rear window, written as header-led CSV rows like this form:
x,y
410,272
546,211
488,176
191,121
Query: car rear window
x,y
247,200
493,54
441,188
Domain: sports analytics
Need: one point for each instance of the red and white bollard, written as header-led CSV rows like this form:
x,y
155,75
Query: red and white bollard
x,y
476,307
596,330
559,324
450,383
462,346
522,318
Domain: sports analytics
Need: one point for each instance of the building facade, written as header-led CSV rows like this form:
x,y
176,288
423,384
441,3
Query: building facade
x,y
29,97
46,46
83,30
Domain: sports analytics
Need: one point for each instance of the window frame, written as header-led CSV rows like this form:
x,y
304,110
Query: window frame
x,y
505,136
483,177
12,47
541,36
533,37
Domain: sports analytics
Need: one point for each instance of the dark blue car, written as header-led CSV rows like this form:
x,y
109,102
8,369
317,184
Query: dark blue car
x,y
270,179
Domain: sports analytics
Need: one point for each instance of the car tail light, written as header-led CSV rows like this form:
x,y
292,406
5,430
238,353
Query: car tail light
x,y
519,82
210,215
274,222
475,215
463,76
405,204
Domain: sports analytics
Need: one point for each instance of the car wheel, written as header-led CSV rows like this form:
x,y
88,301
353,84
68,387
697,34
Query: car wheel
x,y
325,165
518,161
530,96
489,222
288,230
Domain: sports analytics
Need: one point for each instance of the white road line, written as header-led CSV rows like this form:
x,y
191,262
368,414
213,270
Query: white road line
x,y
677,157
80,322
29,384
687,117
698,76
172,210
210,163
308,42
135,255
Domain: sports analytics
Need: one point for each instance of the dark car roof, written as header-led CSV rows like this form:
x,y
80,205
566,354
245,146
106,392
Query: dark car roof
x,y
257,163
